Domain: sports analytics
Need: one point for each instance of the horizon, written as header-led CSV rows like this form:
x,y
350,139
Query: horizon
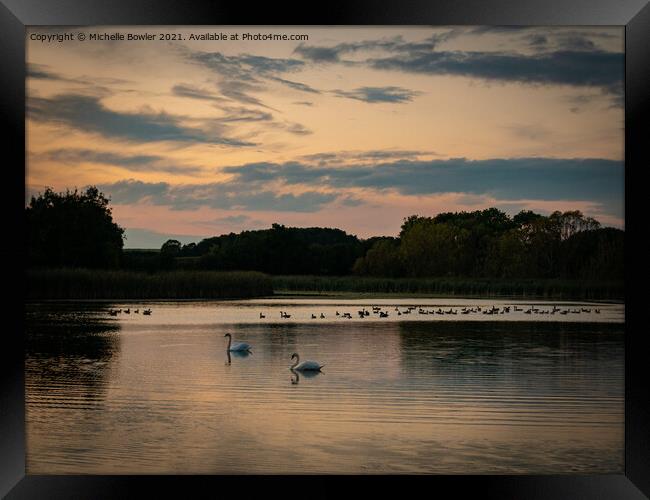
x,y
348,129
184,239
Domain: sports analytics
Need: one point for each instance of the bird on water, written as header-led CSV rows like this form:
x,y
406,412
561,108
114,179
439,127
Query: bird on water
x,y
305,365
237,346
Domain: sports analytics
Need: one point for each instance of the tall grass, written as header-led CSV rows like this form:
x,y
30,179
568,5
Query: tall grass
x,y
105,284
195,284
551,288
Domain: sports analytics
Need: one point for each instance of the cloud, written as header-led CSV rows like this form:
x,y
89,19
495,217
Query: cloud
x,y
232,219
134,163
242,114
128,192
560,58
512,178
192,92
379,94
575,68
340,157
320,54
88,114
231,195
296,85
245,73
531,132
41,72
395,44
298,129
240,91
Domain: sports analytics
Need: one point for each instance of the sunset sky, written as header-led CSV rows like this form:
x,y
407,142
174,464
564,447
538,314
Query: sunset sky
x,y
355,128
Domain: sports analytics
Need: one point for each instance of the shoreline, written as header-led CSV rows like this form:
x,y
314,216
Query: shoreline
x,y
287,295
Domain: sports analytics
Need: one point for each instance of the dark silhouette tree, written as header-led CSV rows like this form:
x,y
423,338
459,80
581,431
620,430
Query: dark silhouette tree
x,y
171,247
73,229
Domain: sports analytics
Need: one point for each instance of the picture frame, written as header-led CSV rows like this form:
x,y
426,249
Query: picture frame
x,y
16,15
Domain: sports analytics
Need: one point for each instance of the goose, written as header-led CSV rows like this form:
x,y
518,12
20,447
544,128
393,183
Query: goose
x,y
239,346
305,365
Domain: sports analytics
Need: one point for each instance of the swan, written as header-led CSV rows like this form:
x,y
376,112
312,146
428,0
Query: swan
x,y
305,365
239,346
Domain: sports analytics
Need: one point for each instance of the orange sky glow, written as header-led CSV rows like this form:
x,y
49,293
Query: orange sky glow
x,y
355,128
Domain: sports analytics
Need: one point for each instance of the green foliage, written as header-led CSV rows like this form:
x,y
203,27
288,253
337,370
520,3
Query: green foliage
x,y
72,229
280,250
490,244
382,259
171,247
432,249
76,229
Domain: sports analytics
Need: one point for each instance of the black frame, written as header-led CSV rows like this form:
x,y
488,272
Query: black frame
x,y
15,15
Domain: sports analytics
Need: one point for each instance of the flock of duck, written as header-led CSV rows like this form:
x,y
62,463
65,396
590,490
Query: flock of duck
x,y
378,312
115,312
310,366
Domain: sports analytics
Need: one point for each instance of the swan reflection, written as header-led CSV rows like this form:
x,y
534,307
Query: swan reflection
x,y
295,377
237,354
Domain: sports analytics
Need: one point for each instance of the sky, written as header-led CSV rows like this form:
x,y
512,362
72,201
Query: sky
x,y
348,127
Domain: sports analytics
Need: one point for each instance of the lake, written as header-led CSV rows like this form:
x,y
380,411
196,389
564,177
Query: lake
x,y
535,390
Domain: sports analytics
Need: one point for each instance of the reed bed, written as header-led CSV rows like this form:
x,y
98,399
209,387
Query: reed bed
x,y
551,289
87,284
105,284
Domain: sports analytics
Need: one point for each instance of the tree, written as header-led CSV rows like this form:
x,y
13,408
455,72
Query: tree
x,y
73,229
525,217
381,260
171,247
572,222
432,249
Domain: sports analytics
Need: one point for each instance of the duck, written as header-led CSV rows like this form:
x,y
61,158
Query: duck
x,y
305,365
238,346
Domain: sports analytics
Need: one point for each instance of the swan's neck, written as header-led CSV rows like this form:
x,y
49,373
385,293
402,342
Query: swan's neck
x,y
295,363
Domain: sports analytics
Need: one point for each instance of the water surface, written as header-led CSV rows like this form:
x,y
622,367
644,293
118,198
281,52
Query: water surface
x,y
419,393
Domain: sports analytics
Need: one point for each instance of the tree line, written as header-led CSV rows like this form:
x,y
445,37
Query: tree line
x,y
76,229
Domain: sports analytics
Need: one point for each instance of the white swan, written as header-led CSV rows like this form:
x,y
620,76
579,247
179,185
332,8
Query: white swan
x,y
239,346
305,365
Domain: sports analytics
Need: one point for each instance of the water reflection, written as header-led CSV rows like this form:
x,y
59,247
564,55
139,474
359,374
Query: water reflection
x,y
295,375
66,343
410,397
